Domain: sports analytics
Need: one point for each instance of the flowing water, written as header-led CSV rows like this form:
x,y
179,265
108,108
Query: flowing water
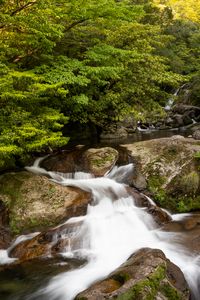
x,y
113,228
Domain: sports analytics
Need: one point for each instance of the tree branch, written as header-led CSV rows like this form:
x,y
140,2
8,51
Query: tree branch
x,y
19,9
23,7
74,24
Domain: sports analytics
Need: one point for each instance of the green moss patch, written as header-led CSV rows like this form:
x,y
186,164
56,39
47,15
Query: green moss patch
x,y
148,288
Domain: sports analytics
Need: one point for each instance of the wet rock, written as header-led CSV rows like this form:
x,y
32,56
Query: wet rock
x,y
171,170
96,161
189,227
147,274
188,118
159,215
183,108
5,237
139,198
99,161
35,202
48,243
64,161
178,120
19,281
5,234
4,215
36,247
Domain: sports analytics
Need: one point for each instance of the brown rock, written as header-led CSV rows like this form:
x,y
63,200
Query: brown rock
x,y
35,202
5,237
33,248
146,273
171,170
47,243
65,161
5,234
160,216
99,161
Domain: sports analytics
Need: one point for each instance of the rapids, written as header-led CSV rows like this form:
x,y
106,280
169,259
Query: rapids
x,y
113,228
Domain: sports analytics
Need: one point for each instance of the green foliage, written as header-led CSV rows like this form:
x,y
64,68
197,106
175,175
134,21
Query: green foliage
x,y
84,61
197,155
28,121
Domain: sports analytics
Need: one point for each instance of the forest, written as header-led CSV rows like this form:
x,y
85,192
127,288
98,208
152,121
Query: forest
x,y
89,62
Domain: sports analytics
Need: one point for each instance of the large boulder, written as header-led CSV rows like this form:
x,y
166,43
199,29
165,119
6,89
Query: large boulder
x,y
99,161
171,168
54,241
147,274
66,161
35,202
93,160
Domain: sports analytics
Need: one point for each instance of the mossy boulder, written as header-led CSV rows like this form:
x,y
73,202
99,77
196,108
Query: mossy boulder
x,y
171,169
147,274
99,161
34,202
94,160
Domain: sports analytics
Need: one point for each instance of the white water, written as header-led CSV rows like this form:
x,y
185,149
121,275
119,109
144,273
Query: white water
x,y
170,102
4,254
111,231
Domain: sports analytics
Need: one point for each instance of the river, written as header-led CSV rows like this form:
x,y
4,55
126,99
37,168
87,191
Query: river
x,y
99,242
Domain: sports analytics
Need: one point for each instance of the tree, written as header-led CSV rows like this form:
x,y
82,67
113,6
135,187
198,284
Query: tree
x,y
85,61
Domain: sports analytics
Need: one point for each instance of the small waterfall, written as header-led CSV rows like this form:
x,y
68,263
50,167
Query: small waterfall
x,y
113,228
170,101
4,254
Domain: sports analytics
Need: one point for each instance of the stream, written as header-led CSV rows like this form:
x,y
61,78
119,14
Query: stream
x,y
99,242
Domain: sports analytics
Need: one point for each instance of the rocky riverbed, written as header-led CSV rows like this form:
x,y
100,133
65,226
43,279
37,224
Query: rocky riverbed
x,y
167,169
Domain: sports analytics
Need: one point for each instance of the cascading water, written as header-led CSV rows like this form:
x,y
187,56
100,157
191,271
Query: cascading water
x,y
170,101
113,228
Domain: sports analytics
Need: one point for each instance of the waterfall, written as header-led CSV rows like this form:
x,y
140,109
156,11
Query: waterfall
x,y
170,101
113,228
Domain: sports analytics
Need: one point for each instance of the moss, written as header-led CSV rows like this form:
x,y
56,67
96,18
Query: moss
x,y
145,289
187,204
170,292
155,186
103,160
11,188
189,183
197,155
182,195
13,193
